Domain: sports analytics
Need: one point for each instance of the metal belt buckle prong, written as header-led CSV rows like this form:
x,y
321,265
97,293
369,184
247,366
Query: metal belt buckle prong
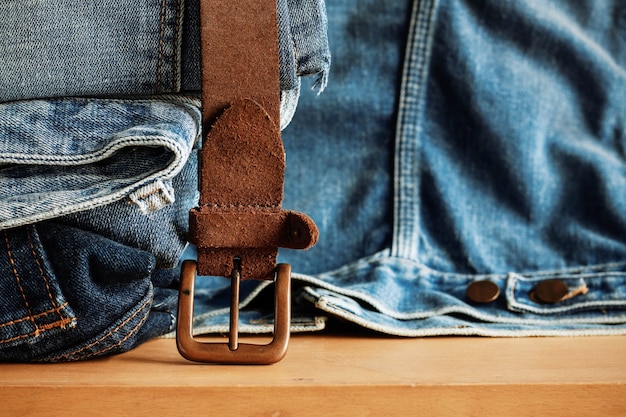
x,y
234,352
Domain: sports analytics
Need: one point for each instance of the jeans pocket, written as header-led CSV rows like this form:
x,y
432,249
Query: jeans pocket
x,y
33,306
69,295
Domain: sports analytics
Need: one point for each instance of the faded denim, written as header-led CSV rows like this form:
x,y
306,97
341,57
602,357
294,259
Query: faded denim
x,y
66,48
461,141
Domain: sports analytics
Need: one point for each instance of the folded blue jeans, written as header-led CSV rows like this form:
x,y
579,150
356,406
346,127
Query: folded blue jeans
x,y
99,130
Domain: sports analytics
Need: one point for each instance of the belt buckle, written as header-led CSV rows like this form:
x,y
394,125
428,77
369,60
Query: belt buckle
x,y
234,352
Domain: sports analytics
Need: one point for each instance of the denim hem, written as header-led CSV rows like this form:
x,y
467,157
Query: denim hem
x,y
93,152
212,309
446,324
401,297
258,322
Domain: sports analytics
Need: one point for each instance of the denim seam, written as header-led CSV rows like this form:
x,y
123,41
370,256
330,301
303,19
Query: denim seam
x,y
563,272
63,323
188,99
89,202
32,317
325,304
41,271
99,155
409,127
364,297
160,48
177,45
295,51
383,257
19,283
54,310
464,330
73,355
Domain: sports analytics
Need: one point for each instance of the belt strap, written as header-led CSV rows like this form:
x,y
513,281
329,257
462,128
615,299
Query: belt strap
x,y
239,223
243,159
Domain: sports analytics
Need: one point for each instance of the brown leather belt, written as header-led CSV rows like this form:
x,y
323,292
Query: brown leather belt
x,y
239,223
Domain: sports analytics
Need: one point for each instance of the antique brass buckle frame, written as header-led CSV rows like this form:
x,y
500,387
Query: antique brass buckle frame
x,y
234,352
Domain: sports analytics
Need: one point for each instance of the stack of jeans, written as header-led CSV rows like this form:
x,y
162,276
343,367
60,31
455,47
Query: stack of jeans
x,y
465,167
99,130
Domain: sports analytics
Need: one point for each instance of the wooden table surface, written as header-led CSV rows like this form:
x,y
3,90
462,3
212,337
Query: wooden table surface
x,y
338,375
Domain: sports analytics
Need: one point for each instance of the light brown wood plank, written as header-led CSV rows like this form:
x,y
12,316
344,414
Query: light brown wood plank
x,y
338,375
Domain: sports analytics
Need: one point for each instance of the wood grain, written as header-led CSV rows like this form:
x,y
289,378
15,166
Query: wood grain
x,y
334,375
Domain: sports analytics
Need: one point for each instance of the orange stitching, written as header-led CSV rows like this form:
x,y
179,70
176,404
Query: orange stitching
x,y
62,323
110,333
36,316
130,333
160,53
43,275
19,282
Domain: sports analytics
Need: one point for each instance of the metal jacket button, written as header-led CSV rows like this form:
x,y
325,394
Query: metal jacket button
x,y
483,291
550,291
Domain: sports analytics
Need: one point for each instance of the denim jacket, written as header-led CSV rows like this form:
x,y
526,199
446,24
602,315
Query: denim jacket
x,y
461,145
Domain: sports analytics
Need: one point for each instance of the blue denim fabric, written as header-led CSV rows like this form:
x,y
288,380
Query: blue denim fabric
x,y
95,190
458,141
67,48
461,141
98,301
68,155
109,184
